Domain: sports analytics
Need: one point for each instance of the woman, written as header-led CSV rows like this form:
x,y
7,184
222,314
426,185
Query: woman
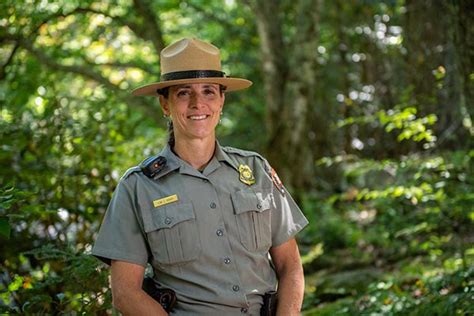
x,y
204,216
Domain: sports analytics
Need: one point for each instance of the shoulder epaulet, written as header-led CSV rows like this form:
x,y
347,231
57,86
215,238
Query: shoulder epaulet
x,y
241,152
130,171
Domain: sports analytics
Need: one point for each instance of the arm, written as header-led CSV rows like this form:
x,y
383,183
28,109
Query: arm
x,y
127,294
289,269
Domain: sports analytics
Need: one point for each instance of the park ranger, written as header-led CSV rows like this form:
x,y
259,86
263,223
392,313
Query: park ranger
x,y
215,223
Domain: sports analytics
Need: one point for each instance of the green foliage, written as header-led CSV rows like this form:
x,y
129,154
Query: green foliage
x,y
425,218
78,288
419,206
439,294
6,200
403,119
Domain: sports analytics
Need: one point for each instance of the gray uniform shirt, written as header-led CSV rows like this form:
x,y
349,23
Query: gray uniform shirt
x,y
206,234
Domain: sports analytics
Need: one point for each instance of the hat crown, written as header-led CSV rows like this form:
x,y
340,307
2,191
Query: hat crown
x,y
190,54
188,61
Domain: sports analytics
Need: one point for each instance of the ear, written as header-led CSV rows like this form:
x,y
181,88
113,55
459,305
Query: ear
x,y
223,100
164,105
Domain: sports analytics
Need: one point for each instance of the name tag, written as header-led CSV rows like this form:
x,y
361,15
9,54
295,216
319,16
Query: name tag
x,y
165,200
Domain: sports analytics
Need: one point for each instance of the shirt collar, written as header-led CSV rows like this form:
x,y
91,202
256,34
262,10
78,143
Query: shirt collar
x,y
221,155
173,162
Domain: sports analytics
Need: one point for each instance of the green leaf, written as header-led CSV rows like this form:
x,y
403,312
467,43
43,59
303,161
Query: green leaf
x,y
5,228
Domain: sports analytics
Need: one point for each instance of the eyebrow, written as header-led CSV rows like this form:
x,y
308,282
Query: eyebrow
x,y
186,86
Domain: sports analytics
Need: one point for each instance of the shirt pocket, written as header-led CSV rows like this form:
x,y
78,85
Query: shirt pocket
x,y
253,215
173,233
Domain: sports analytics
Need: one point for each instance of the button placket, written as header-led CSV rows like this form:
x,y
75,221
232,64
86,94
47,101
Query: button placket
x,y
217,205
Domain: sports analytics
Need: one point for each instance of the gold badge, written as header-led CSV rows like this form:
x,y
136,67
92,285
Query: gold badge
x,y
246,175
165,200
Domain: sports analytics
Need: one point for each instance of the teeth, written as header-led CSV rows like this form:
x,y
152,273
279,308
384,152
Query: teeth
x,y
197,117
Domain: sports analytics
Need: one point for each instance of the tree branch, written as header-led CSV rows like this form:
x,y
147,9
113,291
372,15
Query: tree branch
x,y
137,29
85,72
9,59
150,24
149,109
229,27
140,31
124,65
134,27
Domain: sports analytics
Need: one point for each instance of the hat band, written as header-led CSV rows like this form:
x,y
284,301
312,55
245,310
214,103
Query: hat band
x,y
192,74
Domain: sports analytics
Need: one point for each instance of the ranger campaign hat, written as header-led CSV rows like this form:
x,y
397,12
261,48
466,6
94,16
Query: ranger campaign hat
x,y
191,60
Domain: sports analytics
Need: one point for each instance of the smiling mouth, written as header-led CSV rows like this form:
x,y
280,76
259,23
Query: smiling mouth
x,y
198,117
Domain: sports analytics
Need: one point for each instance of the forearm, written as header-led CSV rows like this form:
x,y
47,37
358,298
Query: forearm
x,y
137,302
289,270
290,292
127,294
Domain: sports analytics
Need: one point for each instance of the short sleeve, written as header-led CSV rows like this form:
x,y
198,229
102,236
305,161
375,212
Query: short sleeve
x,y
287,218
121,236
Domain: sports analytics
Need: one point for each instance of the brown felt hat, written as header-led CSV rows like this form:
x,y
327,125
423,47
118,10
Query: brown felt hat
x,y
191,60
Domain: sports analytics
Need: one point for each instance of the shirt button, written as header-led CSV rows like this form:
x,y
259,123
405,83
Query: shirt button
x,y
219,232
213,205
235,288
168,221
244,311
227,260
259,206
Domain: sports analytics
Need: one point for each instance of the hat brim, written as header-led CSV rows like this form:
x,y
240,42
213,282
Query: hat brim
x,y
231,84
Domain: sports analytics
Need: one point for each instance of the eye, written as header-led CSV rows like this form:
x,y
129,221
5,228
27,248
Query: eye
x,y
209,91
182,93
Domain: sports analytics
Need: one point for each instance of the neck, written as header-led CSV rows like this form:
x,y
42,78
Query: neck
x,y
197,152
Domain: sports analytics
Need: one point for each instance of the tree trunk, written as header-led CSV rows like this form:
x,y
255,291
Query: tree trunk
x,y
296,126
441,46
462,15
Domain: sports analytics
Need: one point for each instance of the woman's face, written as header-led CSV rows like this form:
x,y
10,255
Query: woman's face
x,y
195,109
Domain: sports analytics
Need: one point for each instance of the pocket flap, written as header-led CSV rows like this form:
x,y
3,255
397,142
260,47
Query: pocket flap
x,y
168,216
250,201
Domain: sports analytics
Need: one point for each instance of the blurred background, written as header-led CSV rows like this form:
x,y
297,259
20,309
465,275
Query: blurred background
x,y
364,108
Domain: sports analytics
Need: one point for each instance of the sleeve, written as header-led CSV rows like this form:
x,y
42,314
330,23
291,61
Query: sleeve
x,y
287,219
121,236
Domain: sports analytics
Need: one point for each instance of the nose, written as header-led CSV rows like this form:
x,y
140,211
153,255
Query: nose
x,y
195,101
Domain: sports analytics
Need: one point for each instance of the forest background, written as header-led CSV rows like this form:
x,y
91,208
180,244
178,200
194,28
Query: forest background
x,y
364,108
